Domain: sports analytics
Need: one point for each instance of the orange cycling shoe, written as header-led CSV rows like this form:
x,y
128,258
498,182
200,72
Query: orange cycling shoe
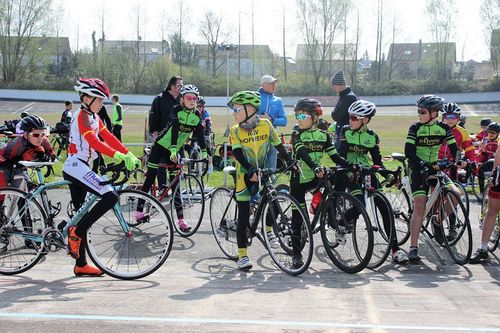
x,y
73,243
87,270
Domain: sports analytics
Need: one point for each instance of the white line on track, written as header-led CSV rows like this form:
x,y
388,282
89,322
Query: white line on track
x,y
24,108
280,323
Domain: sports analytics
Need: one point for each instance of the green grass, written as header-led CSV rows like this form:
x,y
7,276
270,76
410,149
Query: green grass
x,y
391,130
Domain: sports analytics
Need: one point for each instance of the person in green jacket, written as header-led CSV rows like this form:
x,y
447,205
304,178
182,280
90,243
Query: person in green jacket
x,y
117,118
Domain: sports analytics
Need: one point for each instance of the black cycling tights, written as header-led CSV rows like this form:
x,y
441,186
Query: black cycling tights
x,y
78,193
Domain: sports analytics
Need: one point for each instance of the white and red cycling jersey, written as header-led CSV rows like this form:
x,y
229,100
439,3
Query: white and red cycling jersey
x,y
86,127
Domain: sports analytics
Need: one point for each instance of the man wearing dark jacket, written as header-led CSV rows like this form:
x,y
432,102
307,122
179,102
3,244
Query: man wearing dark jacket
x,y
161,108
160,114
346,98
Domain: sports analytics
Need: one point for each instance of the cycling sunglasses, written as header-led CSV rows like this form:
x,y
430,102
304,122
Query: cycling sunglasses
x,y
191,98
451,116
37,135
355,118
302,116
492,132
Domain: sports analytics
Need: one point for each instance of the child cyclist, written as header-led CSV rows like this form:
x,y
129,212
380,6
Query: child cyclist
x,y
251,139
186,120
309,145
86,127
29,146
421,148
356,141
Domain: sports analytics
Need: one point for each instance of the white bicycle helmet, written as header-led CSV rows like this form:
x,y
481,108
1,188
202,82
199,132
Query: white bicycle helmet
x,y
189,89
362,108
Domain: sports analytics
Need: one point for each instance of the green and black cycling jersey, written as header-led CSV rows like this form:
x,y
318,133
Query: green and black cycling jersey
x,y
356,144
310,146
182,124
423,142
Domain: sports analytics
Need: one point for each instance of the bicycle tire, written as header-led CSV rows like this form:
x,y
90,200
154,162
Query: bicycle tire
x,y
346,233
474,184
402,208
458,233
191,196
381,237
464,197
495,235
279,209
140,251
223,220
18,251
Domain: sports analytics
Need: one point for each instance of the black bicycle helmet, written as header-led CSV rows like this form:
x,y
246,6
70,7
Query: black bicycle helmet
x,y
485,122
451,108
310,105
430,102
495,127
31,123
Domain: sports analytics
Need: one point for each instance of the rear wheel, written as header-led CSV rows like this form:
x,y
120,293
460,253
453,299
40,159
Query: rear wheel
x,y
402,208
345,217
126,252
22,225
495,235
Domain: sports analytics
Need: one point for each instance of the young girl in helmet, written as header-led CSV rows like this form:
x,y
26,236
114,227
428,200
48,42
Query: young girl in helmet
x,y
185,121
421,148
86,127
356,141
309,145
31,145
251,139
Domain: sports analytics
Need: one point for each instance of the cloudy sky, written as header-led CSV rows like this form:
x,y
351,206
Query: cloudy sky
x,y
120,18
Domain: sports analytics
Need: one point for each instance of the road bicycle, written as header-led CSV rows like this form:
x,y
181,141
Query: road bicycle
x,y
274,209
116,244
495,235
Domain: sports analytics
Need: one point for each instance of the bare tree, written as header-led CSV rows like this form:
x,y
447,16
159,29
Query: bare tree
x,y
378,53
138,68
180,22
441,25
490,15
319,20
212,31
20,20
284,41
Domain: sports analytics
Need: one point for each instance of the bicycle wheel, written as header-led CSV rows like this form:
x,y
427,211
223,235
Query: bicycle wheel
x,y
187,201
345,217
495,235
456,228
279,210
130,253
22,225
474,186
402,208
381,216
224,219
464,197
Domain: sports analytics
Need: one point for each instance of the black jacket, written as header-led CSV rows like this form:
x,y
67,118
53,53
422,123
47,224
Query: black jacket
x,y
340,114
161,111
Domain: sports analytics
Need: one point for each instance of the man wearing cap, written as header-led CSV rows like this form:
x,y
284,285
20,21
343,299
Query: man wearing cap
x,y
272,108
346,98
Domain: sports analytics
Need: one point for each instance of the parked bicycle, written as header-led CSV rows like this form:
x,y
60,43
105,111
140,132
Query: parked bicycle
x,y
116,243
274,208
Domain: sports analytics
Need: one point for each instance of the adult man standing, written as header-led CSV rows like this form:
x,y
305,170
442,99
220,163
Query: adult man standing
x,y
160,114
272,108
346,98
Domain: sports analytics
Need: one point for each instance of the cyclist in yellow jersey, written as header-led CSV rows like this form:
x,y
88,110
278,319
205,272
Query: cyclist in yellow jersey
x,y
251,139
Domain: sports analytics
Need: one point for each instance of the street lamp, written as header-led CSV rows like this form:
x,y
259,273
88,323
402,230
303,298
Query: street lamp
x,y
227,48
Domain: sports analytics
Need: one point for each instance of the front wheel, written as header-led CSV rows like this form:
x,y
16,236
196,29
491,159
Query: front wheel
x,y
456,227
224,219
126,252
22,225
344,221
382,218
187,201
290,240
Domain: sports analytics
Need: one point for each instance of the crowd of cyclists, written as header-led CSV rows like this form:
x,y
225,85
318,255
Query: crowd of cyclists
x,y
435,136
